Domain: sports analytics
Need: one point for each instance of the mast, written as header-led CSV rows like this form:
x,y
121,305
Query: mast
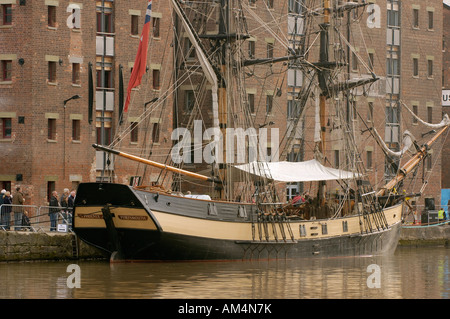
x,y
323,78
224,32
411,164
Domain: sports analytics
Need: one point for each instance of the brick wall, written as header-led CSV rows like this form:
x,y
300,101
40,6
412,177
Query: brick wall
x,y
29,96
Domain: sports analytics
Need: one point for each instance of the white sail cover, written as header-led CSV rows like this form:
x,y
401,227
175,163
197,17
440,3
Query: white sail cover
x,y
307,171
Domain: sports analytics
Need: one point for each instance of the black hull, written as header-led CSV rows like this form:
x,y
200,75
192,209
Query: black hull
x,y
158,244
175,247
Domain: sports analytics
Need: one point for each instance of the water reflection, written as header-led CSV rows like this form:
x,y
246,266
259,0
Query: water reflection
x,y
409,273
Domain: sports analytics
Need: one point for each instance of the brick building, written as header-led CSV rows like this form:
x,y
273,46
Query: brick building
x,y
46,48
400,41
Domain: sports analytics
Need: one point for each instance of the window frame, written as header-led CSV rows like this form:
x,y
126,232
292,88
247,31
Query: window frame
x,y
6,126
51,16
415,18
156,79
76,76
51,129
76,130
134,27
134,132
156,27
6,70
51,72
7,15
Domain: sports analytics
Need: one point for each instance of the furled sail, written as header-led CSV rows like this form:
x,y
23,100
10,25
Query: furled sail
x,y
445,121
306,171
407,142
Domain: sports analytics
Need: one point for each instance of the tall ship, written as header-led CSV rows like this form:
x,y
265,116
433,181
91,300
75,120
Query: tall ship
x,y
247,166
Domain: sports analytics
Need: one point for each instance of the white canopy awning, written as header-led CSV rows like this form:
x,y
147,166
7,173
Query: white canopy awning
x,y
295,171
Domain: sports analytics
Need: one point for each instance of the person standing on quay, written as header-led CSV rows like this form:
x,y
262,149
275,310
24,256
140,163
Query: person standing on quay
x,y
71,201
2,218
6,210
17,202
64,202
53,210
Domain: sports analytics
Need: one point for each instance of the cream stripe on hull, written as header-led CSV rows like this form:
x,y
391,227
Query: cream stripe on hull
x,y
138,218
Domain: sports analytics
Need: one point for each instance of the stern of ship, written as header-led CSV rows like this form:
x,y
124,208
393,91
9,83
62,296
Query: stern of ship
x,y
111,217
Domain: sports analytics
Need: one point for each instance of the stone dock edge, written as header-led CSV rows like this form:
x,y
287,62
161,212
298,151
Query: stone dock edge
x,y
29,246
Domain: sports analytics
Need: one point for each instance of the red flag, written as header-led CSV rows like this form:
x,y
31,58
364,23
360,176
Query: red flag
x,y
140,63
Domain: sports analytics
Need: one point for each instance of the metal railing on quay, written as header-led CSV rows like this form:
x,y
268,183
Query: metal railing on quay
x,y
424,215
35,218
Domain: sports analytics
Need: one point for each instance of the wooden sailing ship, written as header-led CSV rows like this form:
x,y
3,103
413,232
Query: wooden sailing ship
x,y
155,223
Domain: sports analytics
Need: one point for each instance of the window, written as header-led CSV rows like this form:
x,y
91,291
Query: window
x,y
251,49
370,112
156,23
354,111
6,70
430,68
155,132
371,61
295,77
391,115
51,186
354,61
134,25
51,71
269,4
429,162
156,84
393,18
415,67
108,135
336,158
6,127
52,129
134,134
108,79
369,159
416,112
430,20
269,104
190,49
6,185
393,66
269,50
76,125
251,102
75,73
294,6
292,109
430,114
51,16
189,100
7,14
107,26
416,18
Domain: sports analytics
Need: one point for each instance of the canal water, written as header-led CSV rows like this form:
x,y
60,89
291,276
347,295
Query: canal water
x,y
413,273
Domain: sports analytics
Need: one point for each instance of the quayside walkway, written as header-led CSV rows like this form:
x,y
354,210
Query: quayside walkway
x,y
29,232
